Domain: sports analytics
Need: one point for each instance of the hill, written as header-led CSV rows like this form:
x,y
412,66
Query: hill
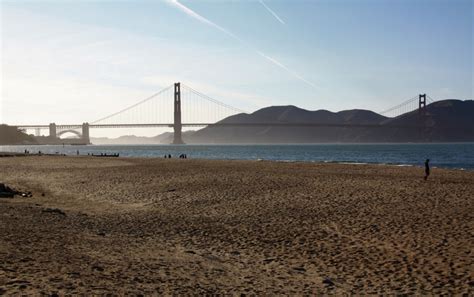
x,y
164,138
448,120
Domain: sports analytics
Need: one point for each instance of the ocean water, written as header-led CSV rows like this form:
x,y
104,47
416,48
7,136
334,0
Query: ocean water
x,y
445,155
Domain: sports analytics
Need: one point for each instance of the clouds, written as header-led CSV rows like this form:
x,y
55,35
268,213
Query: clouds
x,y
208,22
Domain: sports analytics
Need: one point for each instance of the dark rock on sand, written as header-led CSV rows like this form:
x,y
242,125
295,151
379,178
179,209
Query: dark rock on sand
x,y
6,192
328,281
54,210
299,269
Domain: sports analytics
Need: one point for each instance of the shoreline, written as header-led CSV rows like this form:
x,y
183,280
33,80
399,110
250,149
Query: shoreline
x,y
14,154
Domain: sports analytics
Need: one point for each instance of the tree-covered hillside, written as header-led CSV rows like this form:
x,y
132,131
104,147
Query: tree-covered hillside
x,y
11,135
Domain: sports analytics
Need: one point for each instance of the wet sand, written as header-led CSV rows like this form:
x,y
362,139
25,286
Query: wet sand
x,y
160,226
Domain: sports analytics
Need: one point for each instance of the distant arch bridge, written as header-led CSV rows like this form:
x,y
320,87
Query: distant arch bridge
x,y
75,132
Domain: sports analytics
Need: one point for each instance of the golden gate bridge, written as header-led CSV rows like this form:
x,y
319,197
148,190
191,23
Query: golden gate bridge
x,y
164,109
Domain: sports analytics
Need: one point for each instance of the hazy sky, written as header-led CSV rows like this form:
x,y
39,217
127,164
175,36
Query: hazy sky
x,y
76,61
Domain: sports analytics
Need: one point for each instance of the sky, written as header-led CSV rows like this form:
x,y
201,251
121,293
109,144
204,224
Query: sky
x,y
74,61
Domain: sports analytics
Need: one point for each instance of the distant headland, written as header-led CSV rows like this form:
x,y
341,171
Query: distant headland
x,y
448,121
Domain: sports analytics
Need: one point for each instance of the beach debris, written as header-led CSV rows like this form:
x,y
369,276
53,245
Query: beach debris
x,y
26,194
374,227
268,260
26,259
54,211
7,192
328,281
299,269
97,267
74,274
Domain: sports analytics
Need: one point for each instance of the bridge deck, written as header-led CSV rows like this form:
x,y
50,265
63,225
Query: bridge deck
x,y
170,125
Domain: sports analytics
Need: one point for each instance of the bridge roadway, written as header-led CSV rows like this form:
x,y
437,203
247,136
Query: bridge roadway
x,y
259,124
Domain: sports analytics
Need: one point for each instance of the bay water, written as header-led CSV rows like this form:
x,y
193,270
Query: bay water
x,y
445,155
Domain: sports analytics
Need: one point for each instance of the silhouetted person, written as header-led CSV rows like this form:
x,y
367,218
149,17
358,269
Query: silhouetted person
x,y
169,156
77,152
427,168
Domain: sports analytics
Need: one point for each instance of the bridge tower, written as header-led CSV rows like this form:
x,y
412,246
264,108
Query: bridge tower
x,y
177,126
421,104
52,131
422,116
85,133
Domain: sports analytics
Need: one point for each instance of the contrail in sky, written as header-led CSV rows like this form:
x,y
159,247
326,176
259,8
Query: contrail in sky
x,y
272,12
287,69
200,18
208,22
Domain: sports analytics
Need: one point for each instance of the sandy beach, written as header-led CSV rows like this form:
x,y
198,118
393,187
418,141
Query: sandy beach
x,y
161,226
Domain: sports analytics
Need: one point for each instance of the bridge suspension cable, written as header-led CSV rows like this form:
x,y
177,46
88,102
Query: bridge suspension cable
x,y
404,107
204,96
200,108
162,91
430,100
159,109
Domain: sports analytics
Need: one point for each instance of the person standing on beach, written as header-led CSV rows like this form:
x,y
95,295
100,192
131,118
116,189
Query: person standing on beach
x,y
427,168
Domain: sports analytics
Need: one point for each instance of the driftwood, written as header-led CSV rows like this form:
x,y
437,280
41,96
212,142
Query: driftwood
x,y
54,211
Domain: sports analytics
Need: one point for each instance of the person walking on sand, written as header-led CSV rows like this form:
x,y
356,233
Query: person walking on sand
x,y
427,168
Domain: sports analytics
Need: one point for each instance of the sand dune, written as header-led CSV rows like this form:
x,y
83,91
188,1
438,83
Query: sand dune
x,y
156,226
